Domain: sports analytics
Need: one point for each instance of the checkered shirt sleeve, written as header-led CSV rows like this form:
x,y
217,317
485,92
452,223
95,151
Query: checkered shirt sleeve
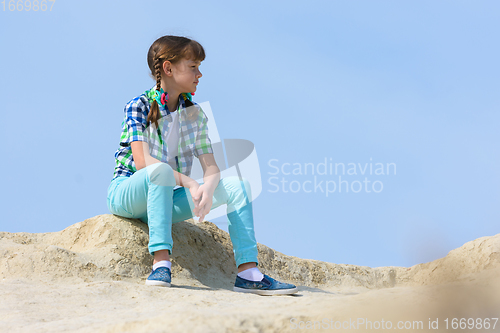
x,y
135,119
203,144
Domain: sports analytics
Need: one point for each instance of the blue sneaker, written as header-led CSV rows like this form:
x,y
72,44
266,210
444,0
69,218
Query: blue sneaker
x,y
159,277
268,286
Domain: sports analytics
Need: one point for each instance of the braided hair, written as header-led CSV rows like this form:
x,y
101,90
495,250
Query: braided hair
x,y
173,49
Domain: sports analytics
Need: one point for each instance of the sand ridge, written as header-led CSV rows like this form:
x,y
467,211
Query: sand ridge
x,y
90,277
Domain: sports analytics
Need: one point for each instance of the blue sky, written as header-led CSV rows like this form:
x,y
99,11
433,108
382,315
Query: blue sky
x,y
413,83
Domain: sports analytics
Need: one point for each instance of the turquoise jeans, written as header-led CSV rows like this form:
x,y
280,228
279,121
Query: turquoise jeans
x,y
148,195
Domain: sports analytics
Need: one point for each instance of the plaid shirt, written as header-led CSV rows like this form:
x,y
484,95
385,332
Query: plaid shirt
x,y
193,134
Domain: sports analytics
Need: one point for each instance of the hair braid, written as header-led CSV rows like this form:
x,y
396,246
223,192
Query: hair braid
x,y
158,73
154,113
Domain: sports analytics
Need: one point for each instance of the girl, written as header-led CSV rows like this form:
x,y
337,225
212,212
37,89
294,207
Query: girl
x,y
162,130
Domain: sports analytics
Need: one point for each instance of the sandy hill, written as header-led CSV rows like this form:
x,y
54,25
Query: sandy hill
x,y
90,277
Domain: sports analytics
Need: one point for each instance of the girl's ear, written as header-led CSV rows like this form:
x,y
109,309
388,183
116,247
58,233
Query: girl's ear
x,y
167,67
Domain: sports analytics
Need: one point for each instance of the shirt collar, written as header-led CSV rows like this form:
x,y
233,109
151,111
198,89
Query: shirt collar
x,y
181,106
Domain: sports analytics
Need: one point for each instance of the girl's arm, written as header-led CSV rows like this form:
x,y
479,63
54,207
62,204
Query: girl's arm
x,y
142,159
211,172
211,177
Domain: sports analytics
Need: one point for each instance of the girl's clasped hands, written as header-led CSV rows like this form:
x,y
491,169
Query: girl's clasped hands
x,y
202,200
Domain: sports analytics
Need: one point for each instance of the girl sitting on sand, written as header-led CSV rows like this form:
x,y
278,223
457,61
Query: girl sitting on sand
x,y
162,130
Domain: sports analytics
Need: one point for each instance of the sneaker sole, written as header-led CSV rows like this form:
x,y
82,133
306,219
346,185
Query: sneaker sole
x,y
157,283
267,292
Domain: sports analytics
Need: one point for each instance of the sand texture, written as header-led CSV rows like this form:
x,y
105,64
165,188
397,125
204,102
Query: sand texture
x,y
90,277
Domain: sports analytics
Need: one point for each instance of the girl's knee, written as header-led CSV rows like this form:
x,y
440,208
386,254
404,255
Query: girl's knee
x,y
239,185
161,174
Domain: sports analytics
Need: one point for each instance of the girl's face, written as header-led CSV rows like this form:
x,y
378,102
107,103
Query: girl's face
x,y
186,74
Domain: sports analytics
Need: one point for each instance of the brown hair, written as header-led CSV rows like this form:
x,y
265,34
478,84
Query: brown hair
x,y
173,49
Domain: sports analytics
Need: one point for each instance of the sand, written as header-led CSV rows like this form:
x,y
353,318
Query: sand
x,y
90,277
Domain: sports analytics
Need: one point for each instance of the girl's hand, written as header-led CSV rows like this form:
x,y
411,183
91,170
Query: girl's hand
x,y
202,199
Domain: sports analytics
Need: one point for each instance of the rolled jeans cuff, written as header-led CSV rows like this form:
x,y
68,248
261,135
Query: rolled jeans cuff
x,y
241,260
153,248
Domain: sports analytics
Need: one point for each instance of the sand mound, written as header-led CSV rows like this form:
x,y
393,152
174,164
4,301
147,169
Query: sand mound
x,y
110,248
89,278
473,257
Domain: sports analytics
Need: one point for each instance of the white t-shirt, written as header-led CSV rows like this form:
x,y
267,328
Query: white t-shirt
x,y
172,141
